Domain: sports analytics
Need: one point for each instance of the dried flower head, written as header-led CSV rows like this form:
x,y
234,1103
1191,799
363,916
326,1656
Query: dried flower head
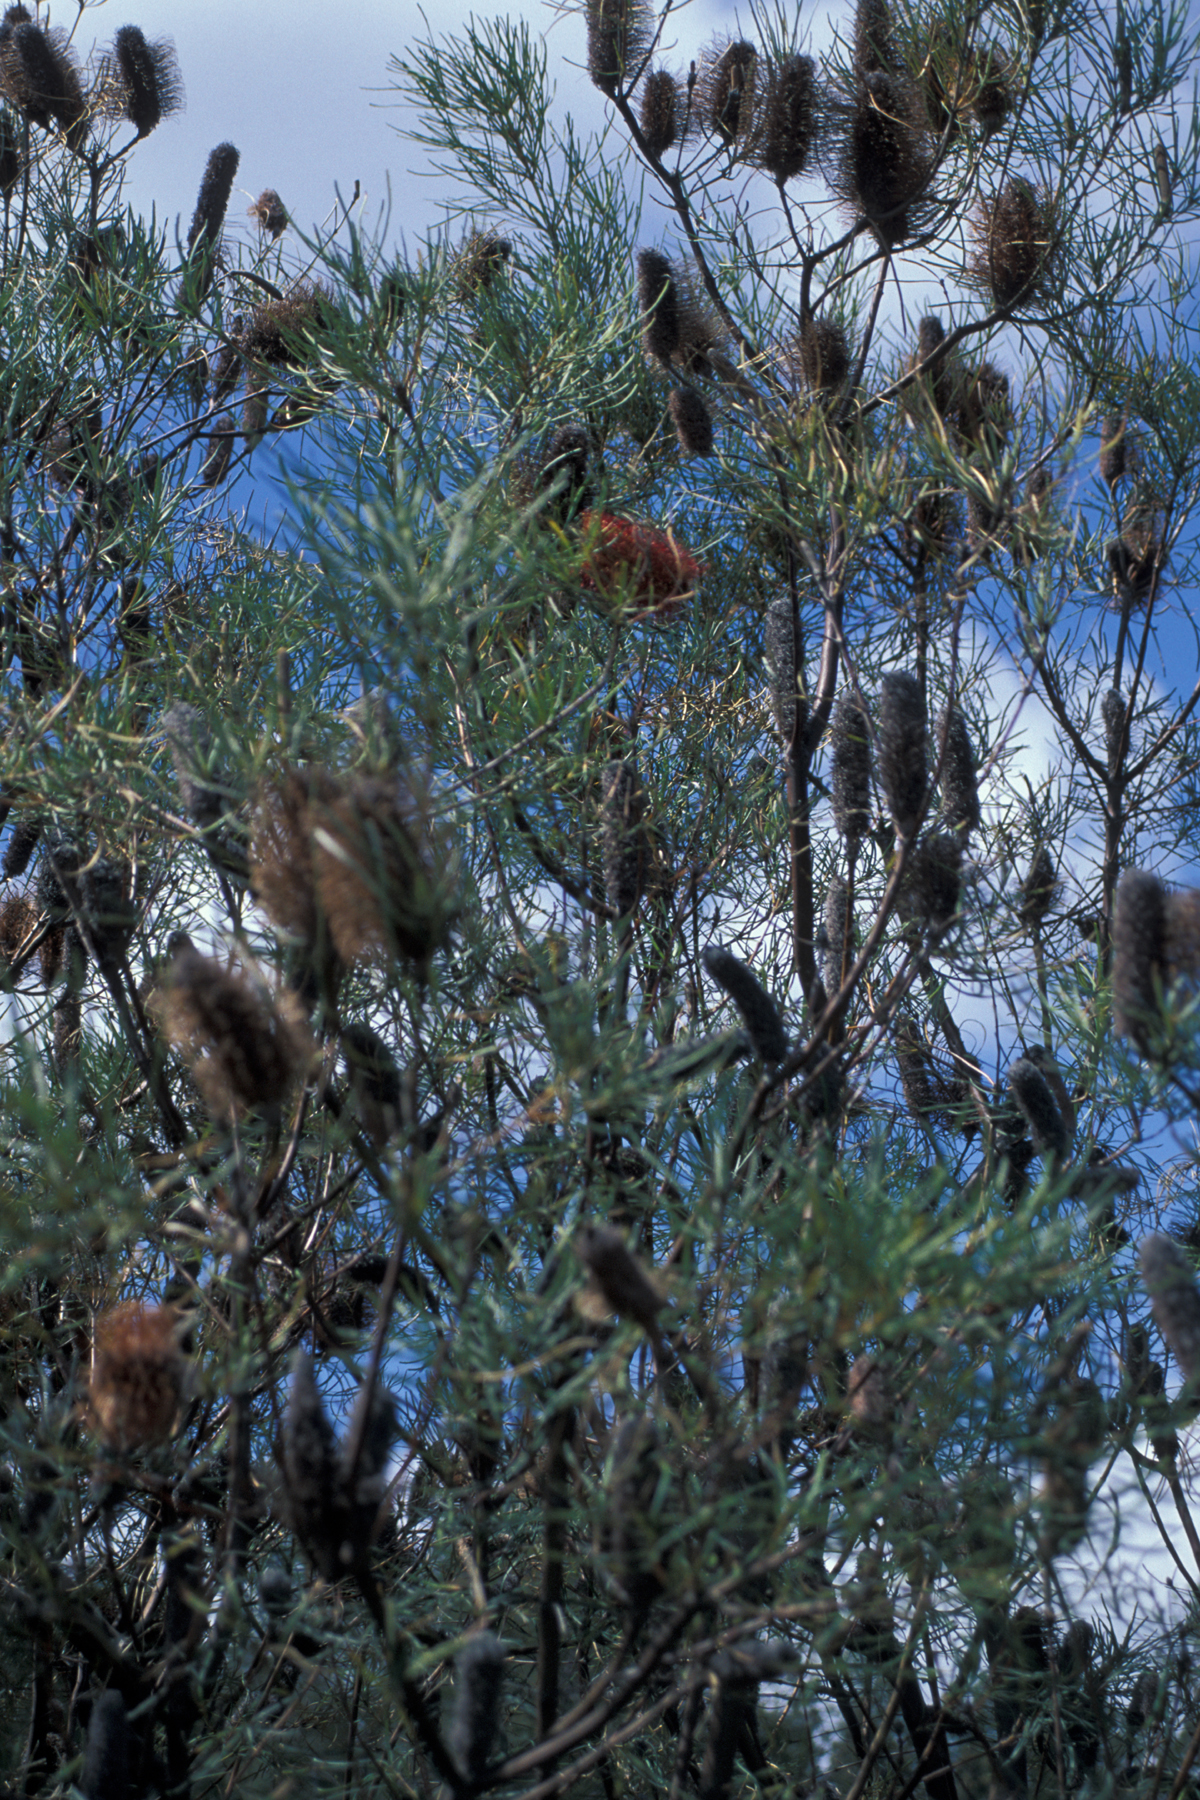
x,y
726,89
1039,890
1181,934
692,421
850,771
788,119
1112,715
839,934
479,1683
481,257
824,355
660,110
619,36
221,441
759,1012
624,847
244,1046
310,1463
1138,557
992,88
623,1283
884,166
985,412
918,1081
959,780
189,746
933,881
109,910
18,852
1039,1109
1171,1285
1139,954
658,303
138,1375
374,1082
1014,238
941,378
146,79
874,38
39,75
283,333
12,159
107,1758
779,645
1114,444
18,921
565,470
637,564
270,213
212,202
902,735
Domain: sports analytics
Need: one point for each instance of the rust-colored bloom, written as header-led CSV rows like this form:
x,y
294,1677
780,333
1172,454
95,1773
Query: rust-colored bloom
x,y
642,564
138,1372
244,1045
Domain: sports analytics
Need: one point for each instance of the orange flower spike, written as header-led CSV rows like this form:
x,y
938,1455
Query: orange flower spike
x,y
663,573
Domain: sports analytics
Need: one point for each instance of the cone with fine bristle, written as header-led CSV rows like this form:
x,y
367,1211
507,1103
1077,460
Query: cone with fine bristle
x,y
479,1681
1038,1107
1112,715
221,443
824,355
779,644
1014,239
992,88
564,471
619,36
244,1046
481,257
661,111
1171,1285
1139,954
146,78
940,376
1039,890
107,1757
787,119
902,748
759,1012
874,38
917,1078
1138,557
270,213
850,773
838,953
959,782
1162,179
658,303
933,880
12,160
884,166
18,852
1181,935
985,412
726,90
1114,459
137,1375
692,421
282,333
212,202
623,840
39,76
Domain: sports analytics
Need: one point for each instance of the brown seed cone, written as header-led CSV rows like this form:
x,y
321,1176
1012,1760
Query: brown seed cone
x,y
481,257
1181,935
18,921
959,782
255,407
1169,1281
759,1012
918,1081
1162,179
726,90
270,213
107,1757
692,421
985,412
850,770
310,1465
935,522
1114,436
1112,714
146,79
382,871
1039,890
661,111
1014,239
658,303
222,440
67,1022
38,74
624,846
788,119
824,355
619,36
281,853
933,883
1138,557
283,334
244,1046
624,1284
478,1687
1038,1107
779,645
12,160
566,465
138,1375
374,1082
868,1391
885,163
902,748
190,748
212,202
992,98
838,955
1139,954
874,39
941,380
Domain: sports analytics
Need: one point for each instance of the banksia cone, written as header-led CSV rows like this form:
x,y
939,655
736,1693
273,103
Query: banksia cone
x,y
779,644
1168,1279
18,921
729,1715
12,162
1112,714
619,36
212,202
635,1492
374,1082
885,165
1138,556
244,1047
788,119
625,1286
960,787
692,421
868,1391
902,748
565,470
850,772
479,1683
824,355
222,439
67,1033
917,1079
270,213
39,76
61,861
190,749
637,564
985,414
759,1012
310,1464
933,881
109,910
839,941
137,1376
623,843
1044,1060
254,417
147,79
18,852
1139,950
658,303
282,333
727,90
1014,239
1072,1441
1039,1109
940,379
480,258
660,111
1114,436
106,1759
1181,939
1039,890
874,38
1162,179
992,99
362,1489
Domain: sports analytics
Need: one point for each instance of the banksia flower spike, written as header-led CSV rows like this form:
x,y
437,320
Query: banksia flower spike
x,y
642,564
623,843
109,910
779,645
824,355
917,1080
374,1082
1036,1103
1014,241
39,76
992,99
1112,715
244,1047
658,303
480,258
18,921
874,38
902,736
18,852
850,773
221,443
146,77
1162,179
623,1283
137,1376
727,91
282,333
787,124
12,162
479,1684
1138,556
566,467
940,379
933,882
619,36
1039,890
106,1758
1168,1279
310,1464
1114,438
1139,946
985,413
692,421
212,202
885,162
959,782
270,213
660,109
189,746
759,1012
839,934
1181,934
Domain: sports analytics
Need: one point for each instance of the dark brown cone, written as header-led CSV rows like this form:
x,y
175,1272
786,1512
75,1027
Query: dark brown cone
x,y
1036,1103
934,523
67,1022
189,746
623,843
933,884
478,1686
960,787
1162,179
481,257
839,935
730,1712
212,202
281,853
658,302
692,421
1181,934
917,1079
566,465
660,110
109,910
1112,713
282,333
244,1047
374,1082
1171,1285
940,380
271,213
255,407
619,36
147,78
1039,890
759,1012
985,413
12,162
39,76
727,91
874,39
1139,934
779,644
1113,447
18,920
824,355
18,852
788,119
310,1463
902,748
222,440
850,772
1138,556
137,1376
381,872
51,953
1014,239
992,99
620,1277
886,163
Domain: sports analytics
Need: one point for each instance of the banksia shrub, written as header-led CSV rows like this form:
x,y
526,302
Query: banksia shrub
x,y
1036,1103
221,442
270,213
106,1757
146,79
779,645
212,202
1139,947
759,1012
1039,890
692,421
623,844
824,355
137,1375
901,749
959,782
245,1047
884,167
478,1686
788,119
658,303
39,76
726,90
623,1283
1014,238
850,770
660,109
1171,1285
18,852
619,36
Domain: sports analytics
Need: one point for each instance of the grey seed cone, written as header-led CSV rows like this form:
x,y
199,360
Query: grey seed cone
x,y
1038,1107
779,644
1039,890
839,949
1139,933
658,302
692,421
850,773
1112,714
1168,1279
902,748
479,1684
106,1759
660,109
622,838
960,787
759,1012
